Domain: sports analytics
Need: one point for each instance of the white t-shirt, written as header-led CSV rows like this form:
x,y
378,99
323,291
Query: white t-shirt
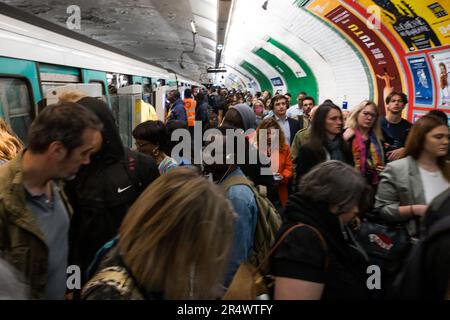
x,y
294,111
433,183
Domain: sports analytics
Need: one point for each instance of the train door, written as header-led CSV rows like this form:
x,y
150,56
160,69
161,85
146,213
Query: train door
x,y
147,91
19,93
126,108
161,101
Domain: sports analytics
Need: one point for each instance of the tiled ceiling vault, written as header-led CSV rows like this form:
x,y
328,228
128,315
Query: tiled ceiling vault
x,y
324,64
156,30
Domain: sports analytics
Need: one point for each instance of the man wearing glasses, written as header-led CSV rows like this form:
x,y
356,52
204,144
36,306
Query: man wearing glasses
x,y
395,128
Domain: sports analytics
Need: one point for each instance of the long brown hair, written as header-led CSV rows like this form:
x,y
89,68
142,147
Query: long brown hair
x,y
416,140
272,123
176,237
10,144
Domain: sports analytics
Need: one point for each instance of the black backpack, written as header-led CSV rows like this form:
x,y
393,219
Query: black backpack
x,y
101,197
411,283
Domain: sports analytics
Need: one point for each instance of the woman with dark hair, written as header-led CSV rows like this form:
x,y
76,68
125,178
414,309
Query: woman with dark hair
x,y
201,111
152,139
319,259
408,185
325,142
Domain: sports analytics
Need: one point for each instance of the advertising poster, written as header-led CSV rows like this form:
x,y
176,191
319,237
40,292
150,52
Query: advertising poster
x,y
441,67
383,65
423,83
277,82
417,115
417,24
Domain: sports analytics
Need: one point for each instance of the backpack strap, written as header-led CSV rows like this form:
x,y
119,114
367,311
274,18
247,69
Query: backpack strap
x,y
286,233
236,180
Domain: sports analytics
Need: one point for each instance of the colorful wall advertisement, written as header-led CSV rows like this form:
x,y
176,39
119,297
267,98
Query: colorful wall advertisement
x,y
423,83
441,67
383,65
417,115
417,24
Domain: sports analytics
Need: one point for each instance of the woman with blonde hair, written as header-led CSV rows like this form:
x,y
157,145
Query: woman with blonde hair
x,y
365,139
10,144
173,243
281,160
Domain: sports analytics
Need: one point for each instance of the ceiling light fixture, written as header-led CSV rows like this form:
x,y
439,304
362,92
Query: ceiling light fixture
x,y
193,27
194,33
264,6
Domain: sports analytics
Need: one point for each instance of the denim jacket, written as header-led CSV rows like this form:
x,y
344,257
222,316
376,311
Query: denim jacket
x,y
244,205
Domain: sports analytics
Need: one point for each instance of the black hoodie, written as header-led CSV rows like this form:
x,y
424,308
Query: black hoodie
x,y
104,189
341,266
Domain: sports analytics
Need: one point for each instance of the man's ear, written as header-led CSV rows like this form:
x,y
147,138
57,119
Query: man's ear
x,y
57,150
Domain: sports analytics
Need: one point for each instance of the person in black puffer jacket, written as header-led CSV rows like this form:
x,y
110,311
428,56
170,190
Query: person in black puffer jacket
x,y
104,189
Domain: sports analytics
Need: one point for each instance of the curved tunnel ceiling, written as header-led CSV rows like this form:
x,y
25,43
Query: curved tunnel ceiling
x,y
354,50
323,47
300,49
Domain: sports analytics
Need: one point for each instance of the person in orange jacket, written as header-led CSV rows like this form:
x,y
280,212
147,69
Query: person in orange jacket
x,y
280,155
190,105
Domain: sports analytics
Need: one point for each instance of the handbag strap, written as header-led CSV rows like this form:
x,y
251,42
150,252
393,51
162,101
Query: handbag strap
x,y
285,234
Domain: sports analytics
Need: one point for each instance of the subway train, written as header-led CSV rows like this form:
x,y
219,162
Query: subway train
x,y
39,61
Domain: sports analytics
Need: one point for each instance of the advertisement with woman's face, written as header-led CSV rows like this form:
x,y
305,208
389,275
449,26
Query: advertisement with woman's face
x,y
441,67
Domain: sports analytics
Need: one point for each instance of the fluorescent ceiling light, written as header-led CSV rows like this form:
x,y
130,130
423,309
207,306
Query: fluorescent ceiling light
x,y
194,29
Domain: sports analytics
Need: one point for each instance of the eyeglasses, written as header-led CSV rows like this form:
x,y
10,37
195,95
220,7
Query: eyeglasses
x,y
140,145
394,101
367,114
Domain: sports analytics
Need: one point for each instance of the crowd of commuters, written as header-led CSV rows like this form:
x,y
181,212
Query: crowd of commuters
x,y
150,223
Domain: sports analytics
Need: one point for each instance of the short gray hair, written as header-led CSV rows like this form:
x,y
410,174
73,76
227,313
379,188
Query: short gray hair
x,y
337,184
11,288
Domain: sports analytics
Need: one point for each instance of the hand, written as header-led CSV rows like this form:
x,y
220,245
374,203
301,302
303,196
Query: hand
x,y
379,169
348,134
396,154
355,224
419,210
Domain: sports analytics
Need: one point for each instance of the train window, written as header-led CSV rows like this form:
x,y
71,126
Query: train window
x,y
53,76
124,80
15,100
102,84
147,88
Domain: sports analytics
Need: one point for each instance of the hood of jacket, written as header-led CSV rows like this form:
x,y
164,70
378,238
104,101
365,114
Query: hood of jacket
x,y
112,147
247,115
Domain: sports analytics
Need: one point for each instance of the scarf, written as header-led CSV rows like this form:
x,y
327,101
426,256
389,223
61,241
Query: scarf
x,y
367,166
334,147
